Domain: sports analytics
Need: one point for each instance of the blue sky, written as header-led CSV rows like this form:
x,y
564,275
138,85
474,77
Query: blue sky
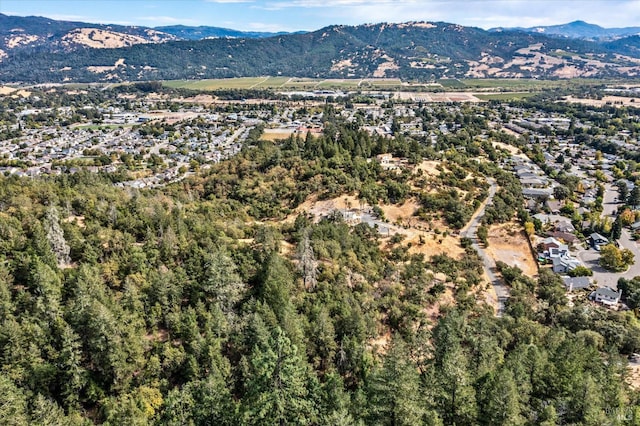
x,y
292,15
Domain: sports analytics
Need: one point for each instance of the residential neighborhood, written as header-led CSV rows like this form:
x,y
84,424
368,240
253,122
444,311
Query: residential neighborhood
x,y
570,189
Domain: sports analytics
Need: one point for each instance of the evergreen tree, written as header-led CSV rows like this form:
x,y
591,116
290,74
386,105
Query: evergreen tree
x,y
276,380
498,399
13,405
394,389
634,197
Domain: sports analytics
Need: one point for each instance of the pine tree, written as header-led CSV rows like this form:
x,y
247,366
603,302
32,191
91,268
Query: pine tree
x,y
498,399
73,376
276,381
308,264
634,197
394,389
222,284
13,405
55,236
454,393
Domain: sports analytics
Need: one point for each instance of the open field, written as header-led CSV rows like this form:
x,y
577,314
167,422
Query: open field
x,y
285,83
503,96
216,84
452,83
459,90
527,84
436,97
617,101
508,243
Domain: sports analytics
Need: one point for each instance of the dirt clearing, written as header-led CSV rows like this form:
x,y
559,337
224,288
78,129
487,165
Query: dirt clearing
x,y
508,244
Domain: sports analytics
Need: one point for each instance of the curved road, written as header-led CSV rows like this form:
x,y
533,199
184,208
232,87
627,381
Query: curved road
x,y
470,231
591,258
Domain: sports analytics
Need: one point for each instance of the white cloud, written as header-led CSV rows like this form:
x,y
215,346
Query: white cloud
x,y
75,18
163,20
483,13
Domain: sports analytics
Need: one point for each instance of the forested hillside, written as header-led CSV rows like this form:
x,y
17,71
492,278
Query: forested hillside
x,y
200,303
410,51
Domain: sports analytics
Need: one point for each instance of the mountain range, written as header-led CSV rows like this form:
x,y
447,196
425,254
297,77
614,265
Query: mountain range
x,y
37,50
578,29
36,33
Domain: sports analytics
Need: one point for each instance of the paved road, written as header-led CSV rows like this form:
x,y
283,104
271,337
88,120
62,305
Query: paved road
x,y
470,231
609,203
603,277
591,257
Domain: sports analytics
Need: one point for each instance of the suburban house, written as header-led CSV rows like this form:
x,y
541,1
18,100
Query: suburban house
x,y
537,182
565,226
551,218
597,240
576,283
536,193
548,243
564,264
561,251
565,237
387,161
554,206
606,296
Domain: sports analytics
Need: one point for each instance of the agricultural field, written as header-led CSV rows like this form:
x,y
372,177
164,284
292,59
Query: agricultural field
x,y
527,84
508,96
217,84
286,83
521,87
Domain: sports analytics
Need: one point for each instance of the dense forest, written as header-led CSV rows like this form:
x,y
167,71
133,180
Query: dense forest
x,y
198,303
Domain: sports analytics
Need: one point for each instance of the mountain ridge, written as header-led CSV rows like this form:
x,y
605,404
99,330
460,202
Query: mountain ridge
x,y
200,32
577,29
410,51
33,32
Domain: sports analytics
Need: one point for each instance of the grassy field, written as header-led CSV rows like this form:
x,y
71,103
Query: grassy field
x,y
308,84
503,96
528,84
283,83
216,84
451,83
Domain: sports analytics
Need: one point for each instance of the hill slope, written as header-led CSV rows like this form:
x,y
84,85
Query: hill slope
x,y
579,29
415,50
184,32
33,33
28,34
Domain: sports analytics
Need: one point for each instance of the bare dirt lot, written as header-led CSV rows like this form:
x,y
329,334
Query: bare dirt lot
x,y
430,167
508,244
437,97
617,101
279,134
400,220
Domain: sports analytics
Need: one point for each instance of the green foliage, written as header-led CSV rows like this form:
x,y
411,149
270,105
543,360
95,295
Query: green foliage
x,y
630,291
483,235
445,50
187,305
394,389
580,271
615,259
